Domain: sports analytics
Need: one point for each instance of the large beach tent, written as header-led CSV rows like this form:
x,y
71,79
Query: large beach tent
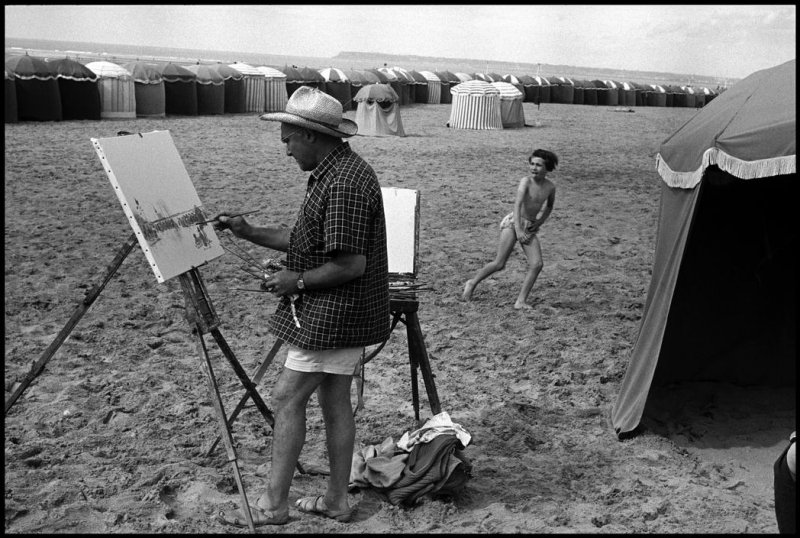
x,y
589,91
602,91
530,88
38,96
721,305
512,115
338,85
657,96
408,86
275,95
254,82
614,88
403,83
358,80
77,86
476,105
420,87
377,111
235,93
561,90
117,90
434,87
544,89
294,79
180,90
149,87
210,89
627,93
449,80
11,97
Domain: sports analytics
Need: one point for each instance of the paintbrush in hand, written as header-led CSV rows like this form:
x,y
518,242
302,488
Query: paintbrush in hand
x,y
216,219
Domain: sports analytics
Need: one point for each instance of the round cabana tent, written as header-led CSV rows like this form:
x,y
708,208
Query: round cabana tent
x,y
420,87
544,89
449,81
400,88
627,94
36,87
210,89
657,96
613,98
311,77
357,81
697,94
149,87
721,305
408,85
516,82
530,88
377,111
589,92
180,90
512,115
338,85
234,88
602,91
254,82
577,92
10,97
561,90
117,90
476,105
275,94
77,86
434,87
294,79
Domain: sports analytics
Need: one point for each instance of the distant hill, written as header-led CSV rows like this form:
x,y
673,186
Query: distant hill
x,y
84,51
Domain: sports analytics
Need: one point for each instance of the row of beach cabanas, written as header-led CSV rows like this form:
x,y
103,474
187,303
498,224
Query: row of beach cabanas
x,y
39,89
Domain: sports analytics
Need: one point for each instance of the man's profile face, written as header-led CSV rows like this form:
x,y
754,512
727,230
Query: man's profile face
x,y
298,146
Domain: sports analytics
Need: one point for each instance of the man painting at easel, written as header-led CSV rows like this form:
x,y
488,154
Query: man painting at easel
x,y
337,268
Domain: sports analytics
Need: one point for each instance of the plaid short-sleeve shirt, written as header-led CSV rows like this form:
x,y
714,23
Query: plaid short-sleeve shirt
x,y
342,211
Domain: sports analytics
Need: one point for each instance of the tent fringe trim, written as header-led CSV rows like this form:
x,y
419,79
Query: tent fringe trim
x,y
742,169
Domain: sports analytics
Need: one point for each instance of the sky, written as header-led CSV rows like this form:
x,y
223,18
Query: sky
x,y
711,40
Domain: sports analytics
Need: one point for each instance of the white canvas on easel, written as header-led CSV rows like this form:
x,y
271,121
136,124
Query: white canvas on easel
x,y
401,208
160,201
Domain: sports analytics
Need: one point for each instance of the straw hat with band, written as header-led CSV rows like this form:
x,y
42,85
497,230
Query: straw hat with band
x,y
314,109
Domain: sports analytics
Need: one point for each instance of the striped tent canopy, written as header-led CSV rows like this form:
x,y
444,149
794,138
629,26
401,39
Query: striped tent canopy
x,y
210,89
507,90
77,85
481,76
149,87
434,87
513,79
476,105
275,94
494,77
254,86
463,77
117,90
338,85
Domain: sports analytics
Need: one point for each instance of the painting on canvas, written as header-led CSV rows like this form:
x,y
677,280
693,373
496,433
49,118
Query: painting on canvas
x,y
401,208
160,201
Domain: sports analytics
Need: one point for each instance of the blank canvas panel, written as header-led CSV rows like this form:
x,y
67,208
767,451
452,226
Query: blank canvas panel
x,y
401,207
160,201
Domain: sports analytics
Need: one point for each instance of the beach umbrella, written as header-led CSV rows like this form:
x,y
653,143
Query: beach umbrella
x,y
38,95
381,93
77,86
210,87
718,307
117,90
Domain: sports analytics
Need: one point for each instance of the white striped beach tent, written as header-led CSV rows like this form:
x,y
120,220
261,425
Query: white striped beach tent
x,y
511,112
275,94
254,82
463,77
434,87
476,105
117,90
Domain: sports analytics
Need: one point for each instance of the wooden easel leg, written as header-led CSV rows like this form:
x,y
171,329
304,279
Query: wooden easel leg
x,y
418,356
216,400
262,369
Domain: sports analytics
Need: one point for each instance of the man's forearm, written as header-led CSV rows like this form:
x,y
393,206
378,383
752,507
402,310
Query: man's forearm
x,y
274,238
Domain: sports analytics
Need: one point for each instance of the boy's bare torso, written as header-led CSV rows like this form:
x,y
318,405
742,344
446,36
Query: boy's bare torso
x,y
537,193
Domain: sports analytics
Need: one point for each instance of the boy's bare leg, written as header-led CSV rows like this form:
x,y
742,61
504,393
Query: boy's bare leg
x,y
504,247
533,252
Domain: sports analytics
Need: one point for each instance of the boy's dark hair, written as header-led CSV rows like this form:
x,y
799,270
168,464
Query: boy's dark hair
x,y
550,158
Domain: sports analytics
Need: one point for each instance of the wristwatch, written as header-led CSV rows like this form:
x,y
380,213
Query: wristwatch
x,y
300,284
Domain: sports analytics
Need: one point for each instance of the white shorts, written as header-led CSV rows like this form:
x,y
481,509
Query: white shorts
x,y
342,361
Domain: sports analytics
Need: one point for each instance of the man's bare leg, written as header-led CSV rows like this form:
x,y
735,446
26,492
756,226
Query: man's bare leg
x,y
340,432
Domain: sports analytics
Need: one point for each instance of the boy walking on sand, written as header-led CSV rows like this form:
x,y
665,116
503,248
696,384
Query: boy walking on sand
x,y
535,193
